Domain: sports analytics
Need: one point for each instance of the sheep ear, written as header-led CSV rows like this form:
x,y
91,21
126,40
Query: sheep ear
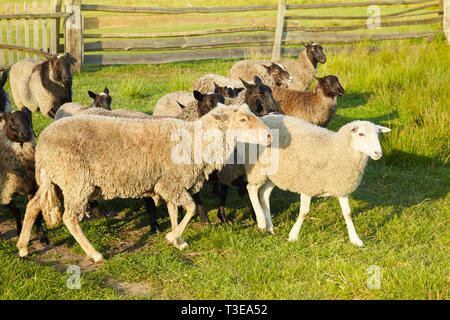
x,y
51,59
245,83
257,80
27,112
219,116
216,88
238,90
383,129
106,90
91,94
318,79
69,58
182,106
268,68
3,79
198,96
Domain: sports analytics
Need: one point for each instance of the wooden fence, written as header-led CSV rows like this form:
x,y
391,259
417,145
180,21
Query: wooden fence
x,y
274,39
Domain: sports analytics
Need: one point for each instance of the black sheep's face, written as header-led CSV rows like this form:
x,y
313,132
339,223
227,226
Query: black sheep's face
x,y
316,51
207,101
227,91
259,98
331,86
60,67
102,100
279,74
18,125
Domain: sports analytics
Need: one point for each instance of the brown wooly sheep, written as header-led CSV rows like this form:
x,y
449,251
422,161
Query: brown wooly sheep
x,y
101,100
133,166
303,69
42,85
317,106
17,176
5,102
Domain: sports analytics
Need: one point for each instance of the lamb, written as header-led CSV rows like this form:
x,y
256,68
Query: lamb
x,y
101,100
5,102
312,161
42,85
302,70
256,95
201,104
317,107
134,166
17,149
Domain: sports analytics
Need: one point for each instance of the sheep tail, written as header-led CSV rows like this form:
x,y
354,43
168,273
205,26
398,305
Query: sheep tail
x,y
49,201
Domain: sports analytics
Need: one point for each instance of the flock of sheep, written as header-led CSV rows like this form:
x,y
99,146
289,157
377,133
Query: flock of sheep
x,y
95,152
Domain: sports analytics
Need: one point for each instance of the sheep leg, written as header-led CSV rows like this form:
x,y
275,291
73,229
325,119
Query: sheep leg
x,y
71,221
38,223
16,213
223,198
200,208
31,213
254,198
150,207
345,206
305,202
174,237
264,198
173,213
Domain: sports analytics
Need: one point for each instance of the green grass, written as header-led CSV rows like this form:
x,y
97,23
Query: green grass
x,y
401,210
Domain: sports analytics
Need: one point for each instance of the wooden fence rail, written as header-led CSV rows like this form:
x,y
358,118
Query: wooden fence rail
x,y
32,23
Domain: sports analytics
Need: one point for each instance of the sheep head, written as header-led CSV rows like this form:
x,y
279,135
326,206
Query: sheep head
x,y
18,125
331,86
364,138
206,102
279,74
259,98
102,99
315,53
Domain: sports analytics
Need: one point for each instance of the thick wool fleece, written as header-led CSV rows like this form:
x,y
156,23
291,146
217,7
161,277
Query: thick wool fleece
x,y
16,168
248,69
69,109
206,84
314,107
121,162
312,160
28,90
301,70
168,106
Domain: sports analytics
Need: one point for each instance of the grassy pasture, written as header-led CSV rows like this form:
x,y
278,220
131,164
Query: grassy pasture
x,y
401,210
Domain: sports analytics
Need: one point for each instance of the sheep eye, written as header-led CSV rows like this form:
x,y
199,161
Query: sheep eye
x,y
361,134
243,120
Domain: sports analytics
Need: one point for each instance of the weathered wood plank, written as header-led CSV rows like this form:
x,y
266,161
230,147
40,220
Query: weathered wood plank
x,y
276,51
446,21
231,53
9,34
44,28
55,26
73,36
18,30
35,28
132,9
180,43
33,16
26,25
331,37
383,16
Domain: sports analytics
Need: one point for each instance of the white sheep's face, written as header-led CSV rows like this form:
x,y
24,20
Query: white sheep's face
x,y
365,138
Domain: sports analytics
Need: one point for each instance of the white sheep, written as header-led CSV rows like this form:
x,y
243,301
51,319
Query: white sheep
x,y
303,69
42,85
139,158
312,161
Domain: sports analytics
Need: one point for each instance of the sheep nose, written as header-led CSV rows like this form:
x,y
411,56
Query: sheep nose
x,y
378,154
269,138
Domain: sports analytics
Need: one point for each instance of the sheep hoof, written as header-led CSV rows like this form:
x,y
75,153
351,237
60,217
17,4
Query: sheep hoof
x,y
293,239
270,230
23,253
262,230
357,242
96,257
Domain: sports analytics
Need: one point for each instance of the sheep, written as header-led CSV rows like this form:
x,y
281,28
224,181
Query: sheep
x,y
317,107
302,69
256,95
42,85
17,149
101,100
5,102
201,103
312,161
272,74
134,166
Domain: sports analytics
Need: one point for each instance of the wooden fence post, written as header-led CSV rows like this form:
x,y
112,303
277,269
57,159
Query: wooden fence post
x,y
276,51
446,21
73,35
